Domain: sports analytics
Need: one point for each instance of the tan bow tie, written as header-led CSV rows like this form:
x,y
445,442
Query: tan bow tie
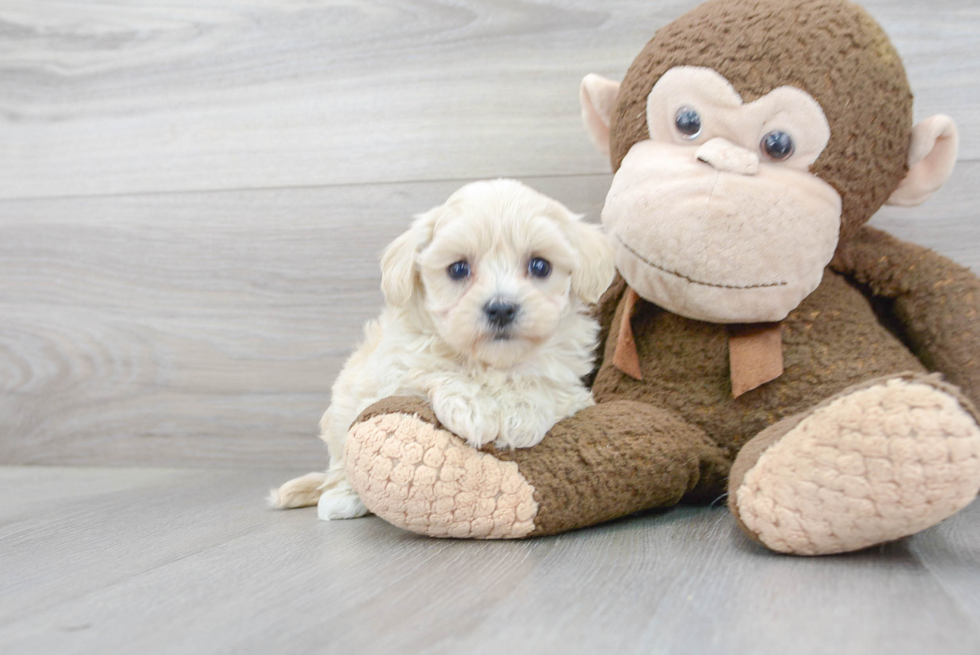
x,y
755,350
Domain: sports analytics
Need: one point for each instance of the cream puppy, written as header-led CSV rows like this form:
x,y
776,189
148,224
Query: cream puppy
x,y
487,317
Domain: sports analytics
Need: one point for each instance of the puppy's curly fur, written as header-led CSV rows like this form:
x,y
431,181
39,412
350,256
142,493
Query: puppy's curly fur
x,y
497,341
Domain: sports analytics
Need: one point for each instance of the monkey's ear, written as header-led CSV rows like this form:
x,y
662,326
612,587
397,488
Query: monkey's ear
x,y
596,267
598,97
398,274
931,159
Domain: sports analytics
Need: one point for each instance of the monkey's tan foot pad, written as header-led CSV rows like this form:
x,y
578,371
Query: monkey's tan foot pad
x,y
416,475
870,466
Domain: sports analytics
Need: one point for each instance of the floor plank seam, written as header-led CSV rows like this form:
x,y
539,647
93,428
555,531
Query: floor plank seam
x,y
297,187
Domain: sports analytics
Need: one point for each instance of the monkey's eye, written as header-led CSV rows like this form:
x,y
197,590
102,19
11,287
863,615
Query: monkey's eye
x,y
777,145
688,123
458,270
539,267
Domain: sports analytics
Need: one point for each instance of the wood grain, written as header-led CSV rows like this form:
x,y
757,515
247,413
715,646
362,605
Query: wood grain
x,y
166,561
194,329
112,97
205,329
193,197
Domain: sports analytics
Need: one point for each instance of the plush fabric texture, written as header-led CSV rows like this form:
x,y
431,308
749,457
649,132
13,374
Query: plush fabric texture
x,y
877,462
855,442
731,125
645,445
749,455
605,462
597,96
830,342
722,155
932,157
625,356
832,49
755,355
716,246
604,311
933,302
618,458
416,475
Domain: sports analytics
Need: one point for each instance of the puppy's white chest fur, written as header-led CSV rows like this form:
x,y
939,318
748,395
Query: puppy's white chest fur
x,y
513,407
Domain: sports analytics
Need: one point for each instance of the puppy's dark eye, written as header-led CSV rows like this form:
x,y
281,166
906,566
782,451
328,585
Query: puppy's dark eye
x,y
539,267
458,270
688,123
777,145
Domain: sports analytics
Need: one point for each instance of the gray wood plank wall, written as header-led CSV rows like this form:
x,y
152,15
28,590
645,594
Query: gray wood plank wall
x,y
192,198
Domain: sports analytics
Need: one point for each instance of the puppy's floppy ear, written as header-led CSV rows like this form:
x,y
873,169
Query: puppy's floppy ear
x,y
398,274
596,266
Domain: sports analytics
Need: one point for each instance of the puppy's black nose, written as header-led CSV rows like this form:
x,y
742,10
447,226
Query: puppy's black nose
x,y
500,314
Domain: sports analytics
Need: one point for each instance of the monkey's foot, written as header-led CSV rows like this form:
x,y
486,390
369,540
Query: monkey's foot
x,y
873,464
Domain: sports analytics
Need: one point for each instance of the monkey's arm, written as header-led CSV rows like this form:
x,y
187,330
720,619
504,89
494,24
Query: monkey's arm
x,y
935,302
607,461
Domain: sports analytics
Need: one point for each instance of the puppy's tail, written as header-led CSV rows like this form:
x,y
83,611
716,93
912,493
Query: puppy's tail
x,y
298,492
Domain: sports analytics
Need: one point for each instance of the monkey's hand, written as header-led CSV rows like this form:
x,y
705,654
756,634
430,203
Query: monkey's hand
x,y
935,300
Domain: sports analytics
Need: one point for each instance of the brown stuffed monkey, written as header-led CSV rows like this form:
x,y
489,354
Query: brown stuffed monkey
x,y
759,339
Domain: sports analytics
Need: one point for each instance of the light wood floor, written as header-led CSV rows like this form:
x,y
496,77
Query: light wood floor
x,y
188,561
192,199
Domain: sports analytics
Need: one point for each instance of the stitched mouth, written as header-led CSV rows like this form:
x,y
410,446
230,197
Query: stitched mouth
x,y
691,279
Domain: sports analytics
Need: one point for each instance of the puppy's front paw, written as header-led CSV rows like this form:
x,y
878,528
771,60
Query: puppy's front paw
x,y
472,416
522,425
340,503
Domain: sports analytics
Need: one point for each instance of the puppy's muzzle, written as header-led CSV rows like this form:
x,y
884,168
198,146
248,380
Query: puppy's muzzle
x,y
500,314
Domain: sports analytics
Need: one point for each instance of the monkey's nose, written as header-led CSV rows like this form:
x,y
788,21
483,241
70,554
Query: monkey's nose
x,y
500,314
723,155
